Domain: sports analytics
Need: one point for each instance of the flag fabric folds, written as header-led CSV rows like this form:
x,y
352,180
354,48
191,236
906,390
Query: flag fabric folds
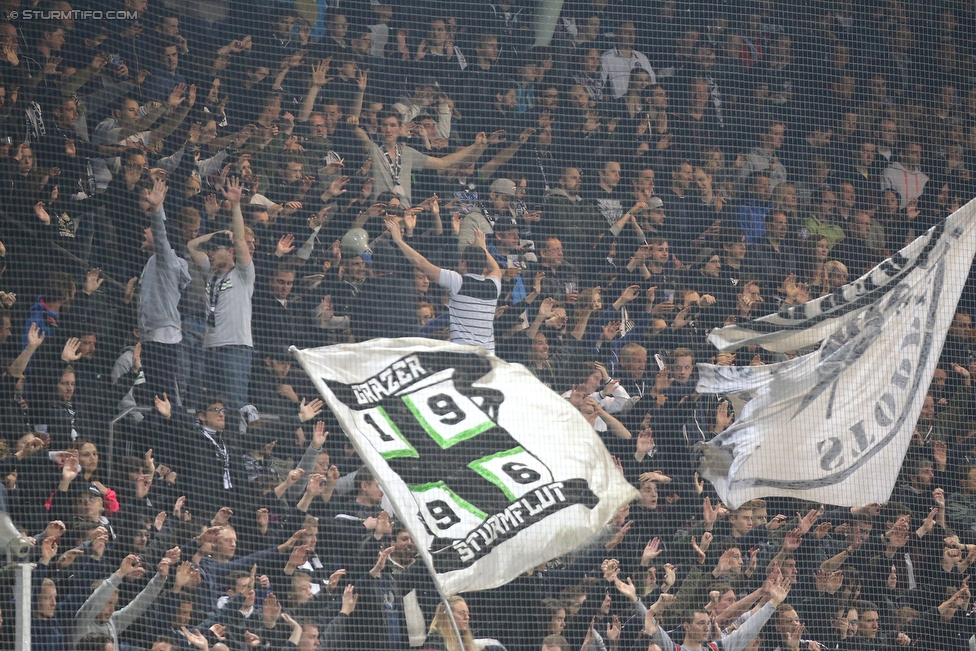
x,y
491,472
833,425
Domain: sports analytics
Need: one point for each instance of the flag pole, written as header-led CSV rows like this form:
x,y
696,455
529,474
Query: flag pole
x,y
457,631
447,607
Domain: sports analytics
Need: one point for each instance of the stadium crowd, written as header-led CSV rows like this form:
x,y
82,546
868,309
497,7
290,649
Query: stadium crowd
x,y
196,186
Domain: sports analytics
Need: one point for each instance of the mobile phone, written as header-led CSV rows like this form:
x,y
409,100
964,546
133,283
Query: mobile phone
x,y
668,294
115,60
660,362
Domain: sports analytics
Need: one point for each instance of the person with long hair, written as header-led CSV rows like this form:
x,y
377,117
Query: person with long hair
x,y
441,636
813,256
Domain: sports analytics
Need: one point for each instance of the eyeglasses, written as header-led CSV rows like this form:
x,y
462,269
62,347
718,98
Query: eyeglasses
x,y
218,410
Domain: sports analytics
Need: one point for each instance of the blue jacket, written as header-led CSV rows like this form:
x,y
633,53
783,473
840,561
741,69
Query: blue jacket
x,y
752,219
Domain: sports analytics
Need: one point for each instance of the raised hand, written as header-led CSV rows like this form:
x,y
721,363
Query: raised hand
x,y
626,589
49,549
380,565
777,589
294,475
479,238
822,530
35,337
393,228
195,638
271,611
651,551
162,568
298,556
619,536
610,567
163,406
177,96
650,624
808,520
319,435
349,599
70,351
320,72
384,527
315,485
222,517
157,194
307,412
709,513
285,245
792,540
71,468
183,574
128,565
232,190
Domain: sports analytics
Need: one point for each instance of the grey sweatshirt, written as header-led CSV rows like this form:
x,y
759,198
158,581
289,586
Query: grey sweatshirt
x,y
735,641
162,279
84,621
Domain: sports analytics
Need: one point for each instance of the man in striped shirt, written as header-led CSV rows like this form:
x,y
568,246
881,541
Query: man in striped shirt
x,y
475,288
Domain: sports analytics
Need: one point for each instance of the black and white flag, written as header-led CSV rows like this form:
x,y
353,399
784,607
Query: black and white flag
x,y
491,472
833,426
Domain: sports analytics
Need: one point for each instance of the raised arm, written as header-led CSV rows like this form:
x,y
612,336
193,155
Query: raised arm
x,y
154,111
488,169
615,426
494,271
123,618
360,133
158,222
320,78
466,155
35,337
193,246
427,267
232,192
175,118
100,597
777,588
356,106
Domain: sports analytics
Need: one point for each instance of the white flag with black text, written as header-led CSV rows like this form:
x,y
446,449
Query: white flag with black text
x,y
833,426
491,472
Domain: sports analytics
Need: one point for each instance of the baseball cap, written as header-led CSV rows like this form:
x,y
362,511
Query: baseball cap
x,y
503,186
655,203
